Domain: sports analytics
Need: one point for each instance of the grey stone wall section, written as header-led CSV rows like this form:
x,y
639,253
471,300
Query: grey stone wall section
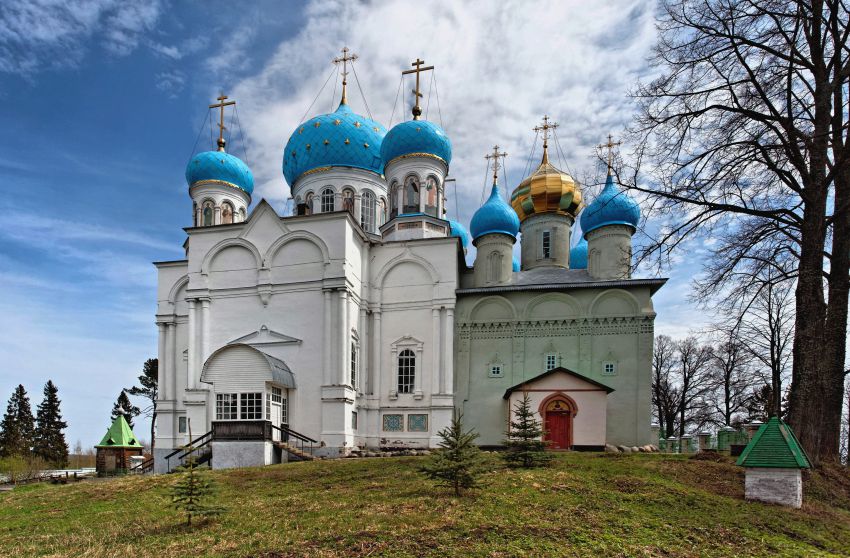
x,y
230,454
774,486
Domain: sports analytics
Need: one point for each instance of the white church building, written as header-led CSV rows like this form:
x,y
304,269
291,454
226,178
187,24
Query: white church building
x,y
356,322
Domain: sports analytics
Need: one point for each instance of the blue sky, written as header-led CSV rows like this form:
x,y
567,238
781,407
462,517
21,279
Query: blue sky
x,y
102,102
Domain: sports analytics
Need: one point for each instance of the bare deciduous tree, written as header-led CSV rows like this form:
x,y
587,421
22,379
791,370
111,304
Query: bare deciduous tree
x,y
733,376
695,383
665,394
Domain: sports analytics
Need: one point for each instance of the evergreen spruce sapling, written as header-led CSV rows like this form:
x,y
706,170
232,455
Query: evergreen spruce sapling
x,y
192,491
50,442
17,430
149,389
525,444
459,462
124,408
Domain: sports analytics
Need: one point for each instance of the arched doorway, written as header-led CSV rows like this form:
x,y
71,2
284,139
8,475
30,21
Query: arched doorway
x,y
558,412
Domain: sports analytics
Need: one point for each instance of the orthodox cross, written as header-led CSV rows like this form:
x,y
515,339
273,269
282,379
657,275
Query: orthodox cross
x,y
545,127
495,156
610,146
221,104
345,59
417,110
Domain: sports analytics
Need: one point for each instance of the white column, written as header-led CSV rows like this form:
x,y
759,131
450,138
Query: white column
x,y
436,361
192,352
363,357
170,367
161,355
447,383
377,354
344,338
327,345
205,332
423,196
400,192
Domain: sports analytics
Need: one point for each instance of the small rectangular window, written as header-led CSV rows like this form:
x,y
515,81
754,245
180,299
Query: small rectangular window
x,y
354,420
547,244
182,425
225,406
353,365
276,395
609,369
551,361
250,406
284,410
496,370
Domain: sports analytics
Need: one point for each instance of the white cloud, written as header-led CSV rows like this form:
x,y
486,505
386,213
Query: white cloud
x,y
40,34
171,82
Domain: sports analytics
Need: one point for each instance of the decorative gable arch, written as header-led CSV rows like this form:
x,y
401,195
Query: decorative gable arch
x,y
229,243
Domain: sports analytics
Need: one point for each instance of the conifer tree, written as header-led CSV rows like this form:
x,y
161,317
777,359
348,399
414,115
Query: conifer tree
x,y
525,444
192,491
148,388
459,462
124,408
17,430
50,442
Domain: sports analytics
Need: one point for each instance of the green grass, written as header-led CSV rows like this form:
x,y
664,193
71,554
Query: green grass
x,y
585,504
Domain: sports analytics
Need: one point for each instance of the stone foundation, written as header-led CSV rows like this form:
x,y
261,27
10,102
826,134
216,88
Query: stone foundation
x,y
774,486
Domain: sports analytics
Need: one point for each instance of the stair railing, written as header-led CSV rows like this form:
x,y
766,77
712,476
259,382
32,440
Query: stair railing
x,y
201,442
299,441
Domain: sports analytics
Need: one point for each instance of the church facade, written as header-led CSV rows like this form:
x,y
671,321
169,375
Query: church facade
x,y
357,323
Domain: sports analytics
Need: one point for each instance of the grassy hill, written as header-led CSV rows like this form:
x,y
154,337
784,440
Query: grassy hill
x,y
585,504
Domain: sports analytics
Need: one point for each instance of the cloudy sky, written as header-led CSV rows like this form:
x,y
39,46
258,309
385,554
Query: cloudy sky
x,y
103,103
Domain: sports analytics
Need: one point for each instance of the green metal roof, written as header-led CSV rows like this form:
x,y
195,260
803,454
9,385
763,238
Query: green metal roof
x,y
119,435
775,445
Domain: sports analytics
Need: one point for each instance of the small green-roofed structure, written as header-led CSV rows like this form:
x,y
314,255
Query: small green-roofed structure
x,y
116,448
774,460
774,445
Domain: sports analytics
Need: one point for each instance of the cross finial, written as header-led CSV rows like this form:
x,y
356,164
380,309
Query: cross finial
x,y
345,59
495,156
222,102
610,146
545,127
417,64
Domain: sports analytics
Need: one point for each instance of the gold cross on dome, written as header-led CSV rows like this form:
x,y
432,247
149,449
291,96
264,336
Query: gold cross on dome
x,y
610,146
345,59
495,156
545,127
417,64
220,105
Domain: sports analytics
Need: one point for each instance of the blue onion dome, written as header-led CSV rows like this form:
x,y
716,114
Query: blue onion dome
x,y
611,207
416,138
219,167
459,231
578,255
495,216
515,264
342,138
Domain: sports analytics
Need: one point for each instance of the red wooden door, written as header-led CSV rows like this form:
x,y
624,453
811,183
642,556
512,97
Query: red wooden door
x,y
558,429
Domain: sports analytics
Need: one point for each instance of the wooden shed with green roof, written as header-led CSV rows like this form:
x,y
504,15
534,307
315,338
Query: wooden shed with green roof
x,y
774,460
116,448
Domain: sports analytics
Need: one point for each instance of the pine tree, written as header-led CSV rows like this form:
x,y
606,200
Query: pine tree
x,y
17,430
50,442
192,491
459,462
525,444
149,389
124,408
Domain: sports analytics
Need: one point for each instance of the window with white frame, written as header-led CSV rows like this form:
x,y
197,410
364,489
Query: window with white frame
x,y
367,211
327,200
609,368
182,425
495,370
551,361
546,245
354,365
268,406
406,371
277,395
284,409
250,406
225,406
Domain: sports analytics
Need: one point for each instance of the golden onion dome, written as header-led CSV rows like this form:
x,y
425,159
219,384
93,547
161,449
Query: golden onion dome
x,y
547,190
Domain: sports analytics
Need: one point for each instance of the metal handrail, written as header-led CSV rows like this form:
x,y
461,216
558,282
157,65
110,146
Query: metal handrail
x,y
301,439
191,442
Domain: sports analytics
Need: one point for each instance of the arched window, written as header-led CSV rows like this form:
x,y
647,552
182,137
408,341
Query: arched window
x,y
494,271
411,195
353,365
367,211
208,213
327,200
406,371
242,214
308,204
395,200
432,191
226,213
195,217
348,200
382,208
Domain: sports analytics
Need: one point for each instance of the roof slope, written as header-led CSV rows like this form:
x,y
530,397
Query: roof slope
x,y
774,445
558,369
119,435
